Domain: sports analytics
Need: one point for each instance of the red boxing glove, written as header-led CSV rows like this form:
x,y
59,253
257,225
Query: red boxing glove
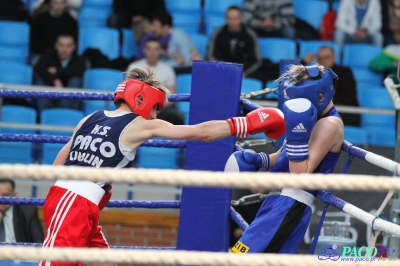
x,y
106,198
268,120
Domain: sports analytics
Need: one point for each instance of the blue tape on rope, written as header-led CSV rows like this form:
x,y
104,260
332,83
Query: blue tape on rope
x,y
373,221
112,247
321,222
76,95
238,219
156,204
354,150
249,105
64,139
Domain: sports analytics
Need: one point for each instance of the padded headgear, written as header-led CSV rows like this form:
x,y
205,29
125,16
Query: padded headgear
x,y
140,96
319,90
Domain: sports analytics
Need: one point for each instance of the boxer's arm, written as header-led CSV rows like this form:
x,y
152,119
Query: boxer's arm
x,y
63,154
270,122
327,136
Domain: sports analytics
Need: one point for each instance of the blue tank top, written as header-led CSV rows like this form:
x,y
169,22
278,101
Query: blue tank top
x,y
97,142
327,164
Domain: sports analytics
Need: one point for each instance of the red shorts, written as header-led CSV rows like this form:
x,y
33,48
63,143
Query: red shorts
x,y
72,220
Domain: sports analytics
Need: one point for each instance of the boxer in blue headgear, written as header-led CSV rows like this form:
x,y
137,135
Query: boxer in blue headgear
x,y
314,136
319,90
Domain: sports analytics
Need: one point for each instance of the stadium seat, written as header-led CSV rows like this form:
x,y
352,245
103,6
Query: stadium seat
x,y
15,73
381,136
190,7
201,42
98,3
183,85
17,263
15,54
250,85
272,84
363,75
356,135
310,11
129,48
219,7
102,38
159,158
359,54
276,49
52,117
306,47
15,34
100,79
187,22
213,22
18,114
17,152
93,16
375,97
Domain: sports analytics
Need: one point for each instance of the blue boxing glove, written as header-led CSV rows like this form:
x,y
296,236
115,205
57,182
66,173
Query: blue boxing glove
x,y
247,161
300,117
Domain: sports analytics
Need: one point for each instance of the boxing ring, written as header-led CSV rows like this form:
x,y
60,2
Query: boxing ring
x,y
206,194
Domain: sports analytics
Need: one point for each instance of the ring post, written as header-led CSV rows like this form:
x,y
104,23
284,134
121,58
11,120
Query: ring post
x,y
204,215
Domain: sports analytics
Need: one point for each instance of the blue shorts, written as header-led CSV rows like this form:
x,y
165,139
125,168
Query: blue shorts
x,y
279,227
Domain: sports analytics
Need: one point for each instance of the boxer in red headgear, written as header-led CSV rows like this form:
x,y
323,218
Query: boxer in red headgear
x,y
110,139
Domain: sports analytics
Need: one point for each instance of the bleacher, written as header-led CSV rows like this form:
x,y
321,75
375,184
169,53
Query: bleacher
x,y
197,18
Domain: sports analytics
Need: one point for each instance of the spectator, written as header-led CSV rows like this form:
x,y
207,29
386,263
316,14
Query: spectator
x,y
346,93
393,21
18,223
60,67
163,72
13,10
387,61
135,14
236,43
270,18
42,6
47,26
179,50
359,21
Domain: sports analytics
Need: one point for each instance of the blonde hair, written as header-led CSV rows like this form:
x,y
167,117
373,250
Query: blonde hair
x,y
147,76
297,74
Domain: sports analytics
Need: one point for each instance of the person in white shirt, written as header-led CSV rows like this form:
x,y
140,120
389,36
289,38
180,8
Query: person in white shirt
x,y
163,71
359,21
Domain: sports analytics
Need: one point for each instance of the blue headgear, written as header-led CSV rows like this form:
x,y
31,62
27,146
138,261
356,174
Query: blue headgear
x,y
319,90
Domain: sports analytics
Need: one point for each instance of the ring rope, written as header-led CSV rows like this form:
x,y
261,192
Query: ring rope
x,y
371,157
25,244
163,257
76,95
238,219
200,178
65,139
155,204
358,213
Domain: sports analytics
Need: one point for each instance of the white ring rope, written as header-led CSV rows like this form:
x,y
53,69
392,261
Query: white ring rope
x,y
163,257
194,178
200,178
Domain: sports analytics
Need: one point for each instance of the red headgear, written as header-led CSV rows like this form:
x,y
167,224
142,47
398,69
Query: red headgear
x,y
140,96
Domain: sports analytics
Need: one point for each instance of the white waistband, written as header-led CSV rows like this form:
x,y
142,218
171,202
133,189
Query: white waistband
x,y
84,188
294,193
